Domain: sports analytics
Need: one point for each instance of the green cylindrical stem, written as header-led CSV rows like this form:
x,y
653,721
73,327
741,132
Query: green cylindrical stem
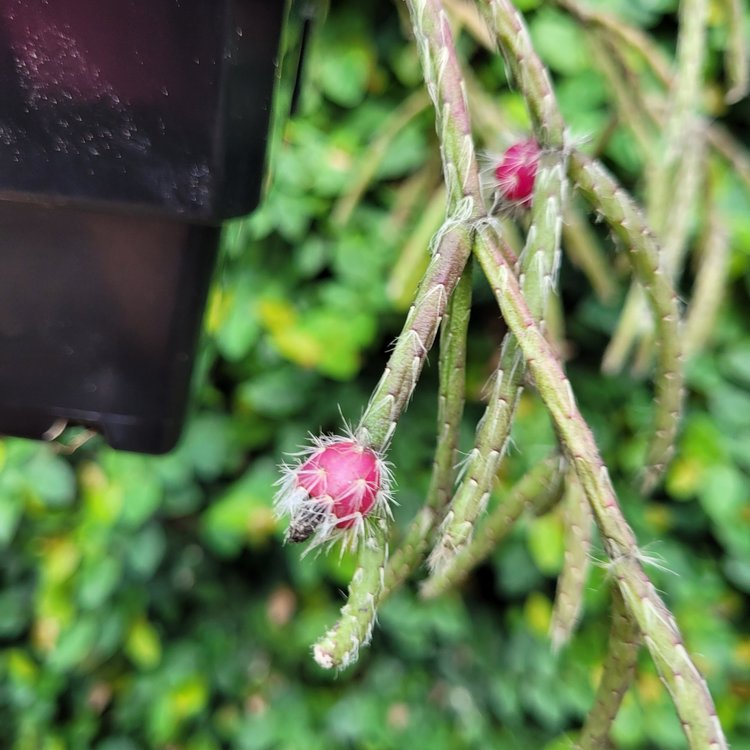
x,y
539,263
689,693
445,85
710,280
684,107
399,379
452,368
339,647
554,388
572,581
538,490
411,551
688,183
492,435
628,38
635,322
450,410
618,671
528,71
687,189
737,59
626,221
676,669
540,259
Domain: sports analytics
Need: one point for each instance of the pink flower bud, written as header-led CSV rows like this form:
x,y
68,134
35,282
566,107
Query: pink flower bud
x,y
345,476
515,174
331,490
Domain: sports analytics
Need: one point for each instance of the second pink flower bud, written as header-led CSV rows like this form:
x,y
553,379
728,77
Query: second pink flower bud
x,y
516,173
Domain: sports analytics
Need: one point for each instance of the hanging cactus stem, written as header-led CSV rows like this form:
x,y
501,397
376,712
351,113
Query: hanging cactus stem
x,y
450,409
340,646
624,218
617,674
391,396
571,585
710,279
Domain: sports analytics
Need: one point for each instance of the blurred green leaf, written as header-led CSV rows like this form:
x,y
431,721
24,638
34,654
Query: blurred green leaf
x,y
547,543
143,644
74,644
735,363
14,612
242,515
277,393
51,478
147,550
97,581
345,69
725,498
11,509
559,42
208,445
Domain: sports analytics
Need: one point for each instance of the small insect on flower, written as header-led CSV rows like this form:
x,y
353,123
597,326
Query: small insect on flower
x,y
332,489
515,174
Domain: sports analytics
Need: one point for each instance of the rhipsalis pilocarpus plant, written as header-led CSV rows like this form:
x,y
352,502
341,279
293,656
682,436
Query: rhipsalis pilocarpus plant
x,y
340,488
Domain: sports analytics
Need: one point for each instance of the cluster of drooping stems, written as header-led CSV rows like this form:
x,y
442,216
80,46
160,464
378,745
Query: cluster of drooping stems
x,y
685,144
673,179
340,487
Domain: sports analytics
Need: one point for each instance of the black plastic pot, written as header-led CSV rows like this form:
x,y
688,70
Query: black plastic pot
x,y
129,129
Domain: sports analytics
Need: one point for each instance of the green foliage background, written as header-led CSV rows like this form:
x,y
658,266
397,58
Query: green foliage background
x,y
148,601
